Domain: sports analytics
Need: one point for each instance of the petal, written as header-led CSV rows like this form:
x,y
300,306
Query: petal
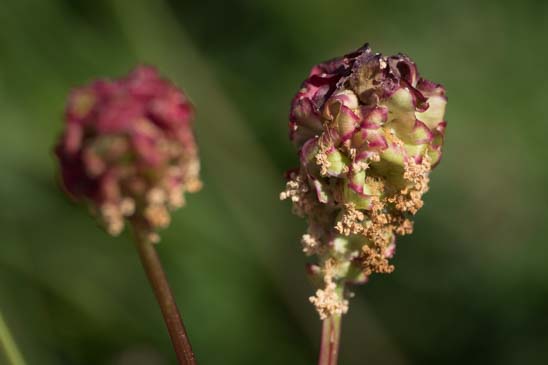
x,y
436,145
346,122
337,162
147,140
344,97
394,154
309,151
435,112
429,88
118,115
308,157
403,68
374,117
415,151
305,121
357,182
73,137
418,134
400,103
435,156
171,111
376,140
321,191
361,201
109,189
340,108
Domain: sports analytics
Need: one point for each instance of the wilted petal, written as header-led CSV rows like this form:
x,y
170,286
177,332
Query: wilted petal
x,y
403,68
305,121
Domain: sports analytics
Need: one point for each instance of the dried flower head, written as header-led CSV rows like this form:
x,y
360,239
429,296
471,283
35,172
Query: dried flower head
x,y
128,149
368,130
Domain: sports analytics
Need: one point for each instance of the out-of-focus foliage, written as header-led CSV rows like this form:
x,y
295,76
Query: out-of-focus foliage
x,y
471,284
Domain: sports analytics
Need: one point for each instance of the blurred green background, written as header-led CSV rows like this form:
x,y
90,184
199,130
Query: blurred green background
x,y
471,285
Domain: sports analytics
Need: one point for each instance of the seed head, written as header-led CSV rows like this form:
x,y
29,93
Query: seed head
x,y
128,149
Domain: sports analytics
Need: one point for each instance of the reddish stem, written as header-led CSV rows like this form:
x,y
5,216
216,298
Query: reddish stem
x,y
331,333
158,281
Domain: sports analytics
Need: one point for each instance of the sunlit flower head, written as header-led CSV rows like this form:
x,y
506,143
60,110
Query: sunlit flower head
x,y
368,130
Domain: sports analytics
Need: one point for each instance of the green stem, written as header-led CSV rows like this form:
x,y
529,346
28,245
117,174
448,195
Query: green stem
x,y
158,280
8,344
331,334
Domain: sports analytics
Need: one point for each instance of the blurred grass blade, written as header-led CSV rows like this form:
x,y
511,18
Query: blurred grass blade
x,y
11,352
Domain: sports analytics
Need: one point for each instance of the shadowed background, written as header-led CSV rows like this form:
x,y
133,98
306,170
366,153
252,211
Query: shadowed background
x,y
471,284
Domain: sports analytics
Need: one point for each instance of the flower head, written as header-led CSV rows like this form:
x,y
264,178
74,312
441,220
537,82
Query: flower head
x,y
368,130
128,149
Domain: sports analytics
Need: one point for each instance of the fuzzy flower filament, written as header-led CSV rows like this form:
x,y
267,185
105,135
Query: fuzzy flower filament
x,y
368,130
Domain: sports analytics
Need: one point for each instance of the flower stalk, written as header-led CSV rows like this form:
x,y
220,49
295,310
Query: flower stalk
x,y
331,334
162,291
